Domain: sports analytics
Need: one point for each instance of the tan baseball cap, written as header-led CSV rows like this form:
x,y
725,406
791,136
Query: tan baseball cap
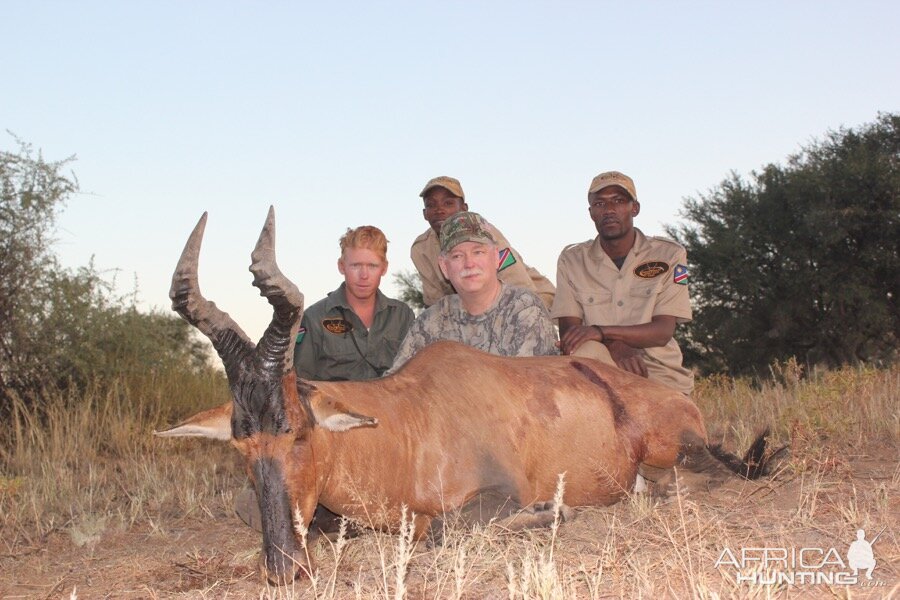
x,y
464,227
443,181
604,180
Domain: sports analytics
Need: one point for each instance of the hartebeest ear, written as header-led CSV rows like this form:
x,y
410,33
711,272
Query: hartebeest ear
x,y
334,416
214,424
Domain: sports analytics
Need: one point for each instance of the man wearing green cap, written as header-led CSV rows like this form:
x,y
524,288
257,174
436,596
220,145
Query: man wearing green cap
x,y
443,197
620,295
484,312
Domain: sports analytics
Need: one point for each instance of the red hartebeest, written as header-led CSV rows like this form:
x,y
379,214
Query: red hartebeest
x,y
455,428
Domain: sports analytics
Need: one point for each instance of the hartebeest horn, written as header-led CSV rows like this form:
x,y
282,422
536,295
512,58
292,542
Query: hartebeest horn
x,y
226,336
276,348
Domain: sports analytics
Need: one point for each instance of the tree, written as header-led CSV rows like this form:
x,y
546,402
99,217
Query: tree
x,y
802,259
60,327
410,286
32,192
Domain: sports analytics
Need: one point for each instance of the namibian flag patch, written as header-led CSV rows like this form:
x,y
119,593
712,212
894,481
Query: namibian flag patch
x,y
301,333
507,259
680,274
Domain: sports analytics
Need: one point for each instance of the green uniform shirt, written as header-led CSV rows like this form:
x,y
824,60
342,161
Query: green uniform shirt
x,y
333,344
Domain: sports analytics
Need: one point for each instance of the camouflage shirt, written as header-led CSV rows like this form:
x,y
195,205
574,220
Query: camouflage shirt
x,y
517,325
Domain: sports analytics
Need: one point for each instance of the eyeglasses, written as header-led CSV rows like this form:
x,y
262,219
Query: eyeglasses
x,y
609,203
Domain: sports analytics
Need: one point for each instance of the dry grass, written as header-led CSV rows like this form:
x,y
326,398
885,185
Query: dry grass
x,y
82,479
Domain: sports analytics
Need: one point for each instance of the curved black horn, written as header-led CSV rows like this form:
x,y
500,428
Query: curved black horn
x,y
276,348
227,337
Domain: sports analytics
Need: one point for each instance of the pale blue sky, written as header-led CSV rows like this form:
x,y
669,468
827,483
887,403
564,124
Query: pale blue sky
x,y
338,113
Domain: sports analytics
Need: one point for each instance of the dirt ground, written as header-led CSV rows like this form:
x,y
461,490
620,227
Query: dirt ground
x,y
215,558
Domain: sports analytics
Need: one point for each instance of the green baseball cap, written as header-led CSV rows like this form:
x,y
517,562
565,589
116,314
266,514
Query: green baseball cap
x,y
465,227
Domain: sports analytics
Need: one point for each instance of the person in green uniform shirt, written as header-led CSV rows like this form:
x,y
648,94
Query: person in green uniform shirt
x,y
352,334
355,332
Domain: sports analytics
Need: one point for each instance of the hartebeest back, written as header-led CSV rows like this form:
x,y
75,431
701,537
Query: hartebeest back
x,y
454,428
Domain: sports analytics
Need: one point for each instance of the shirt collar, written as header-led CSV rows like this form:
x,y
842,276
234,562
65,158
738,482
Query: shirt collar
x,y
338,298
641,245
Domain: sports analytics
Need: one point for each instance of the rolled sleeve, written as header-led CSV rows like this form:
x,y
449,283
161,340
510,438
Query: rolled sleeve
x,y
565,304
673,298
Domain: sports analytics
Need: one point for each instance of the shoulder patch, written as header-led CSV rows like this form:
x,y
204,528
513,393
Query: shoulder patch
x,y
680,274
649,270
301,333
507,259
337,326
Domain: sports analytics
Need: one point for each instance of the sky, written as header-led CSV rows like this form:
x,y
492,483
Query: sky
x,y
338,113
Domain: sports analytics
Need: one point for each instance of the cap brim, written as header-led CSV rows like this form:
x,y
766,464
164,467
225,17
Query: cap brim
x,y
603,186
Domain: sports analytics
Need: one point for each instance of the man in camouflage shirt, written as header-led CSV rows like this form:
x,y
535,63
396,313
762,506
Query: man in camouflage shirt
x,y
484,313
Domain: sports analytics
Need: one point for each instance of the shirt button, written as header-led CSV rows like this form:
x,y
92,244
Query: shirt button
x,y
591,299
620,303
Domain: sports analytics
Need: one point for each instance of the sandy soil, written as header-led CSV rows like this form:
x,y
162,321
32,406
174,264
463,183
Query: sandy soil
x,y
215,558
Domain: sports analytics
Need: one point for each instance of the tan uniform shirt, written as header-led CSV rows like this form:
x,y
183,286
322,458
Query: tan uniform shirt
x,y
652,281
427,247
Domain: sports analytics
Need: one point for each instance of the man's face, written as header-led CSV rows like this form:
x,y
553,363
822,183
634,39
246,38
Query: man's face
x,y
440,204
613,212
362,270
470,266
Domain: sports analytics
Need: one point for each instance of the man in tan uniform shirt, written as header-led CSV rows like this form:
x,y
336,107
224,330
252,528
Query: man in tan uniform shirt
x,y
620,295
444,197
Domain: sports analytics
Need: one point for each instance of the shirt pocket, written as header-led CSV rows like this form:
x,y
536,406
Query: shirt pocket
x,y
643,290
339,347
597,306
641,300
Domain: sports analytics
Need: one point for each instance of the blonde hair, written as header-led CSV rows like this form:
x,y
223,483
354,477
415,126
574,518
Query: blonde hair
x,y
367,237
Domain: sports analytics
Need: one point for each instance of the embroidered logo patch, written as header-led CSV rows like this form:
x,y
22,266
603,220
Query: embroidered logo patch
x,y
680,275
507,259
649,270
337,326
301,333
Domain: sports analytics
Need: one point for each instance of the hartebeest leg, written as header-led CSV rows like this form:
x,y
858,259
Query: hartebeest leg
x,y
500,509
700,467
324,522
